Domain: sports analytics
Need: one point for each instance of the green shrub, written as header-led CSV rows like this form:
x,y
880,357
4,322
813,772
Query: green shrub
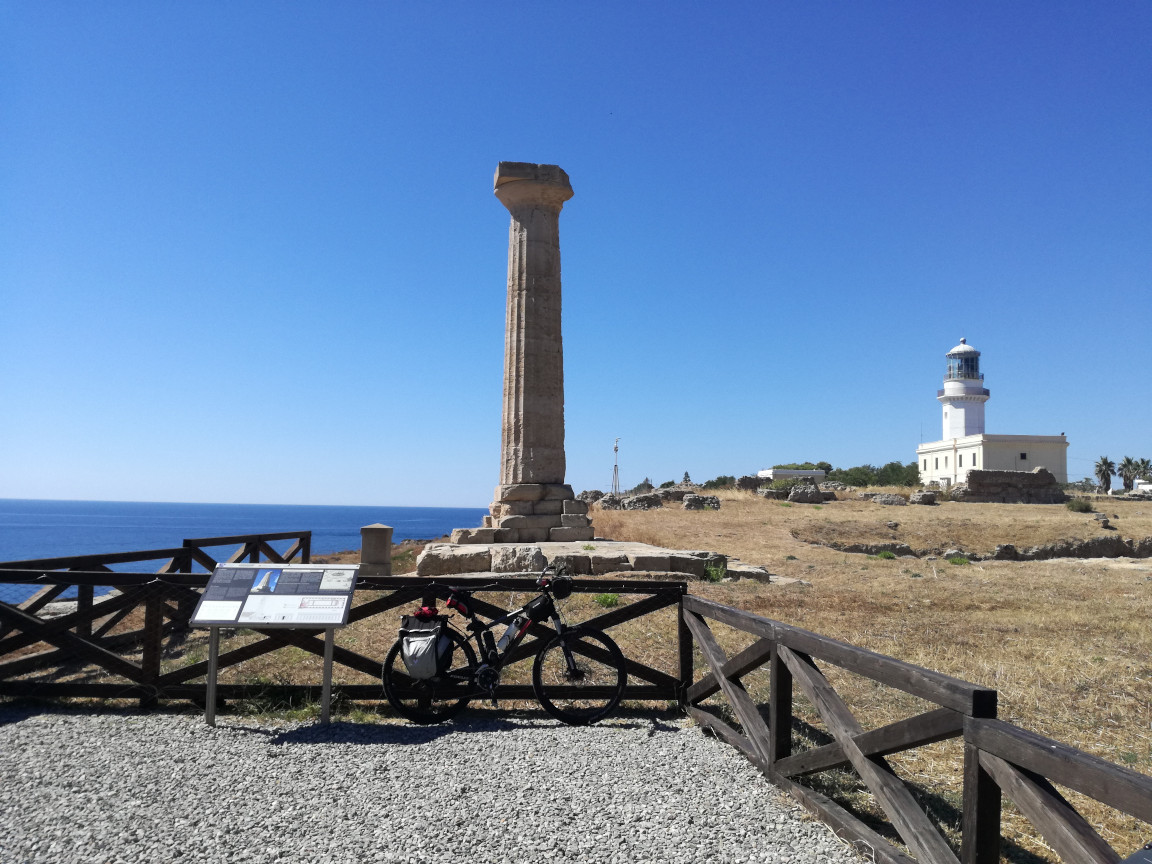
x,y
715,572
608,600
789,557
1079,505
886,554
784,503
958,560
724,481
785,484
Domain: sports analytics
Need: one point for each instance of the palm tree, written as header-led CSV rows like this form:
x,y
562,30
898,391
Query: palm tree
x,y
1144,469
1105,468
1127,471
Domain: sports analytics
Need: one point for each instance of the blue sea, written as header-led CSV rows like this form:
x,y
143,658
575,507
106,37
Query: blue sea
x,y
52,529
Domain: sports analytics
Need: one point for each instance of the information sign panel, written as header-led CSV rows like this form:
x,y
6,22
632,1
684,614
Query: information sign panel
x,y
277,595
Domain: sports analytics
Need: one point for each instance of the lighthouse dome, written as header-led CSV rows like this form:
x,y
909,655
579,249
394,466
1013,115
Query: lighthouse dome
x,y
963,349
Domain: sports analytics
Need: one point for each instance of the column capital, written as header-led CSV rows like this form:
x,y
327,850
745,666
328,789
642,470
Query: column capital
x,y
524,184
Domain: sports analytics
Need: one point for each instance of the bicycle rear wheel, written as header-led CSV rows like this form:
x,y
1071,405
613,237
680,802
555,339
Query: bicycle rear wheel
x,y
431,700
579,676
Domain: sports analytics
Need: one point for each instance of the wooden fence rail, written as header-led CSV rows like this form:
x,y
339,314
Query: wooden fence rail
x,y
999,758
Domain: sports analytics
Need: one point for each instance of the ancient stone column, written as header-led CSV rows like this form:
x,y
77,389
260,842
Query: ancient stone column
x,y
532,443
532,502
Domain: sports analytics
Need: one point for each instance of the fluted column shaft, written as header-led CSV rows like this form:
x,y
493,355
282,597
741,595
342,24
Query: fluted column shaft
x,y
532,442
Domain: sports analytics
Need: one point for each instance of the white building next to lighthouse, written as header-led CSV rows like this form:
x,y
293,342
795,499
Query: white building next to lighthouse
x,y
965,445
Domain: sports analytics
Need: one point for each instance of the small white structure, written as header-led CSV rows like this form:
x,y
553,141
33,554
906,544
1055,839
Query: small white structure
x,y
965,445
783,473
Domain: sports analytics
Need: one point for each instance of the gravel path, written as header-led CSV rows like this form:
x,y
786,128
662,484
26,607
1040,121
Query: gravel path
x,y
125,788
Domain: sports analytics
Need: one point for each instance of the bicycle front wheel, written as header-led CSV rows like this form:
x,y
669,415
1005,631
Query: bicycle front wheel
x,y
431,700
579,676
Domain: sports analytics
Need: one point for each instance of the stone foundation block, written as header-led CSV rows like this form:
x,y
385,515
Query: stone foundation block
x,y
689,564
654,563
522,522
574,520
473,535
501,509
439,559
517,559
548,508
575,506
570,534
608,563
507,535
581,565
533,535
520,492
559,492
487,522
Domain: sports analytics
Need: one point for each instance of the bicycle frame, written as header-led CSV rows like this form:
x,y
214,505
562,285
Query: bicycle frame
x,y
493,656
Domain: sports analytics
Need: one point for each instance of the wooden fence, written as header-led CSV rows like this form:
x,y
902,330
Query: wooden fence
x,y
149,614
999,758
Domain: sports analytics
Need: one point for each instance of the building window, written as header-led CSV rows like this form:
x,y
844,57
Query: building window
x,y
925,464
945,461
937,461
973,460
1023,457
960,463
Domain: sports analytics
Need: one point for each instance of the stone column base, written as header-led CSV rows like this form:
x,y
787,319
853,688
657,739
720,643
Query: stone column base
x,y
531,513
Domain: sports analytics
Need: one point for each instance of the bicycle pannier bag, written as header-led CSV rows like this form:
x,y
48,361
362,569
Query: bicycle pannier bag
x,y
425,647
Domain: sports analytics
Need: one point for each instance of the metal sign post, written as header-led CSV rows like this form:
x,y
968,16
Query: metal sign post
x,y
213,662
326,693
261,596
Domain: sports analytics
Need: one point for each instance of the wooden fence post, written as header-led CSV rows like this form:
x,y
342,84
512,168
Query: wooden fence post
x,y
84,598
980,841
150,656
684,637
779,709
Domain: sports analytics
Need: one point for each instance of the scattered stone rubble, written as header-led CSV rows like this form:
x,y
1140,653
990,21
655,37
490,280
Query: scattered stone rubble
x,y
701,502
647,501
922,497
804,493
1092,547
888,499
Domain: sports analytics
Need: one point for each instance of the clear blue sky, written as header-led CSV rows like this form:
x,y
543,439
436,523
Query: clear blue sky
x,y
250,252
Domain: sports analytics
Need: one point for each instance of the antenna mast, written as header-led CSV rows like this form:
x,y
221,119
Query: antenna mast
x,y
616,468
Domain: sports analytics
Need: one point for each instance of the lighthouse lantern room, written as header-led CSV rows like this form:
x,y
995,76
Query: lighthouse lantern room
x,y
964,393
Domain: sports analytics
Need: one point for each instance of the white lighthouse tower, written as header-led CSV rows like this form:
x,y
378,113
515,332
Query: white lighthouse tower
x,y
964,393
966,445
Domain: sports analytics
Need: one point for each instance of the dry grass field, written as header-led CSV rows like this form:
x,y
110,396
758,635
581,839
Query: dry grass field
x,y
1067,643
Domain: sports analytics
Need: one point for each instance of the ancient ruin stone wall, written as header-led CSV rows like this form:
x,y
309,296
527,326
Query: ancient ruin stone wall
x,y
1038,486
